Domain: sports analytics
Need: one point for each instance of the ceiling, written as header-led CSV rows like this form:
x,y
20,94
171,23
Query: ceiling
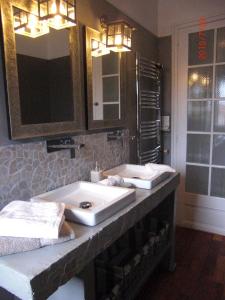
x,y
144,12
160,16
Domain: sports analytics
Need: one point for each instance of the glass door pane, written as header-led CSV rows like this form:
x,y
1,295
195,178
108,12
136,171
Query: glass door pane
x,y
205,153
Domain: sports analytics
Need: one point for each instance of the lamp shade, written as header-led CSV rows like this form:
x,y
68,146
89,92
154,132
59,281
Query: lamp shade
x,y
119,36
59,13
98,48
28,24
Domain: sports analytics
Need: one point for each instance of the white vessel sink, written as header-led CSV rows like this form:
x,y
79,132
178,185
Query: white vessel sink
x,y
140,176
104,201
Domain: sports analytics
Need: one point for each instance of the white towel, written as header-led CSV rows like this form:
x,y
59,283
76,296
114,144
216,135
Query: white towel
x,y
11,245
32,220
115,180
160,168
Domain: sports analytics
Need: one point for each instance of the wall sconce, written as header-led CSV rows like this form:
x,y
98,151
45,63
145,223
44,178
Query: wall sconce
x,y
118,36
28,24
98,48
59,13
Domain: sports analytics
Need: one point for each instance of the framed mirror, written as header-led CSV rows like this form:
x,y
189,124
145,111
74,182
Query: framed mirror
x,y
106,80
43,77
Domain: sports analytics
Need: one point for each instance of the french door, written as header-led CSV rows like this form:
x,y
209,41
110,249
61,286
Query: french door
x,y
199,124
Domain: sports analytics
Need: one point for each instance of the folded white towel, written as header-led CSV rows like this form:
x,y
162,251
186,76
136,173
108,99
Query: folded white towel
x,y
115,180
160,168
11,245
32,220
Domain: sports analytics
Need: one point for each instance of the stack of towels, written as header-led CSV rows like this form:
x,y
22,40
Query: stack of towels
x,y
159,168
27,226
152,169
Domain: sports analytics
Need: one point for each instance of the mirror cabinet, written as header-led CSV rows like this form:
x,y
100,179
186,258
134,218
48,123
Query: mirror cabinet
x,y
105,85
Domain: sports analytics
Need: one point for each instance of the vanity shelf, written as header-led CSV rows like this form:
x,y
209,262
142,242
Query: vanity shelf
x,y
38,274
124,267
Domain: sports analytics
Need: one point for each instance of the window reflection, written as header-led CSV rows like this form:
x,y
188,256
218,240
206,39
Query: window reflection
x,y
218,150
220,45
220,82
199,115
219,116
106,87
200,83
198,148
222,88
193,51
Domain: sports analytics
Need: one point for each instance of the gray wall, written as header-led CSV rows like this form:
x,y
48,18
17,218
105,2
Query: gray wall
x,y
89,13
145,12
165,58
26,169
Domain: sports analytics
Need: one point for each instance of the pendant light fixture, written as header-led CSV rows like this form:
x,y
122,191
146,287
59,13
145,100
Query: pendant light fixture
x,y
119,36
58,13
28,24
98,48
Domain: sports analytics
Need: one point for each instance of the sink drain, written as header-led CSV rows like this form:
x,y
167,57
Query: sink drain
x,y
85,205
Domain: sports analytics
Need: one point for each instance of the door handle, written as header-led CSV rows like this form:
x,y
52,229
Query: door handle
x,y
130,137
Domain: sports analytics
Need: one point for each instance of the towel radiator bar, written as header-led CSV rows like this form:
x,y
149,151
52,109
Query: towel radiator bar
x,y
148,116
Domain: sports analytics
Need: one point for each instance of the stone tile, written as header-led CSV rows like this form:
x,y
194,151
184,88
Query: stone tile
x,y
27,169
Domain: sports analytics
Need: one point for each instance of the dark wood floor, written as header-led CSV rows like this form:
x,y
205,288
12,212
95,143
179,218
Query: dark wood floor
x,y
200,272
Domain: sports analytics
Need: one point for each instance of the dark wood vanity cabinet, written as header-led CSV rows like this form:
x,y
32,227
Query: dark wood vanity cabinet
x,y
123,268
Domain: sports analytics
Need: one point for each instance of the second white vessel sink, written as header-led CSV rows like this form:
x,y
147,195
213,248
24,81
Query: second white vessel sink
x,y
89,203
140,176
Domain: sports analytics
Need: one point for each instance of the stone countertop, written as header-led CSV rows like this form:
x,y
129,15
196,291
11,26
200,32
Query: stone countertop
x,y
37,274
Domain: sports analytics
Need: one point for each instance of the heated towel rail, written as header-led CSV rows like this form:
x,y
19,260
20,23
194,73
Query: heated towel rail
x,y
148,115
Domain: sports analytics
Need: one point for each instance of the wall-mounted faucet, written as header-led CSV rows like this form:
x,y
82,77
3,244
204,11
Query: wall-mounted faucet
x,y
119,135
115,135
64,144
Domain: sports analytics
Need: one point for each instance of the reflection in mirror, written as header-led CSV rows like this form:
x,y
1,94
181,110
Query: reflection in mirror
x,y
106,87
45,77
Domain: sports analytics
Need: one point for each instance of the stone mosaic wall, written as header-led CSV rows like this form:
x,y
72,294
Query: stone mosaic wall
x,y
27,169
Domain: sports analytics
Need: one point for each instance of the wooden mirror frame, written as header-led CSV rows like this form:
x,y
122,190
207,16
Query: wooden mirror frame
x,y
17,129
103,124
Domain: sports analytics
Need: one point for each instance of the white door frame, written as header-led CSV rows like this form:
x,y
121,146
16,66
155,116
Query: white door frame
x,y
175,116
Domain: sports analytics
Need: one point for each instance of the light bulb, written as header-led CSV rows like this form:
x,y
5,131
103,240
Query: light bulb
x,y
24,19
205,81
62,9
118,39
194,76
53,8
94,44
71,13
32,22
98,49
57,20
16,23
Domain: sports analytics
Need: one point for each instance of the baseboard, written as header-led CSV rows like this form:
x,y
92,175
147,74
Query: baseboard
x,y
202,227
